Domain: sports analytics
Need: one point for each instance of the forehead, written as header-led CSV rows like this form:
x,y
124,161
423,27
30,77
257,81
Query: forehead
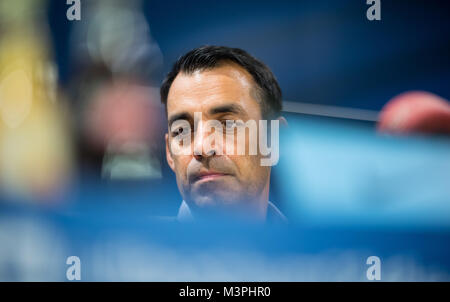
x,y
203,90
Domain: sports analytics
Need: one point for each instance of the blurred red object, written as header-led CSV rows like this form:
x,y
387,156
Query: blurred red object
x,y
415,112
124,113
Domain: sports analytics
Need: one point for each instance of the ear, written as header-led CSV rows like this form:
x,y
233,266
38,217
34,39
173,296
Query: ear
x,y
169,154
283,121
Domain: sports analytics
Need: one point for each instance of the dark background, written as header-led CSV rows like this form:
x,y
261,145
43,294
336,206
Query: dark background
x,y
322,52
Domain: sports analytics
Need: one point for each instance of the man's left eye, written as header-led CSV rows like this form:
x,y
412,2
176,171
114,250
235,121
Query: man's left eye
x,y
229,125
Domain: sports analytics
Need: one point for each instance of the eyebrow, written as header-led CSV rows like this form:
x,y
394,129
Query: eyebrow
x,y
229,108
179,116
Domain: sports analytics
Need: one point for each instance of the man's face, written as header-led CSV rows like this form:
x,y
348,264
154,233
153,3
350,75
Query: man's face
x,y
207,180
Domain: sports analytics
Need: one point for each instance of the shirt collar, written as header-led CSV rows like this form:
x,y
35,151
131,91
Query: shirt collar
x,y
273,213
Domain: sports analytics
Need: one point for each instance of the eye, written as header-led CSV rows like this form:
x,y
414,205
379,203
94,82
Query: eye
x,y
180,131
229,125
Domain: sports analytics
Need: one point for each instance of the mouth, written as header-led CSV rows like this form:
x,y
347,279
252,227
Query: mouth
x,y
208,176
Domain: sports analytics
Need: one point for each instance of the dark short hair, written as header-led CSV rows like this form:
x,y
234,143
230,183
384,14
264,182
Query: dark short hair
x,y
210,57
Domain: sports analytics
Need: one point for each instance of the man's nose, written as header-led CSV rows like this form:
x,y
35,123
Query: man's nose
x,y
201,133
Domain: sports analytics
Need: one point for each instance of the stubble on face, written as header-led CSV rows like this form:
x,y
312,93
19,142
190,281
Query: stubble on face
x,y
219,180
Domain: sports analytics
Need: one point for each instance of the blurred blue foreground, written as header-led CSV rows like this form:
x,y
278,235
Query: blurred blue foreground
x,y
348,193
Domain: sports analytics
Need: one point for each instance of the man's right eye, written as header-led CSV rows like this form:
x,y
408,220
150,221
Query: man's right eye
x,y
178,131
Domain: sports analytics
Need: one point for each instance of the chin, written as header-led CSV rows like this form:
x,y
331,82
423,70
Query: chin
x,y
214,200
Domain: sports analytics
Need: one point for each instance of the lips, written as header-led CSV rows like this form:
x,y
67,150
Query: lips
x,y
208,175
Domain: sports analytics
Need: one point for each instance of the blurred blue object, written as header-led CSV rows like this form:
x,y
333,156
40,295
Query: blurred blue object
x,y
349,194
340,172
36,244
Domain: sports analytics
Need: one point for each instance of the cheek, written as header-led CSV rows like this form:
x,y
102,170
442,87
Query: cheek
x,y
181,164
250,170
229,145
235,144
244,164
